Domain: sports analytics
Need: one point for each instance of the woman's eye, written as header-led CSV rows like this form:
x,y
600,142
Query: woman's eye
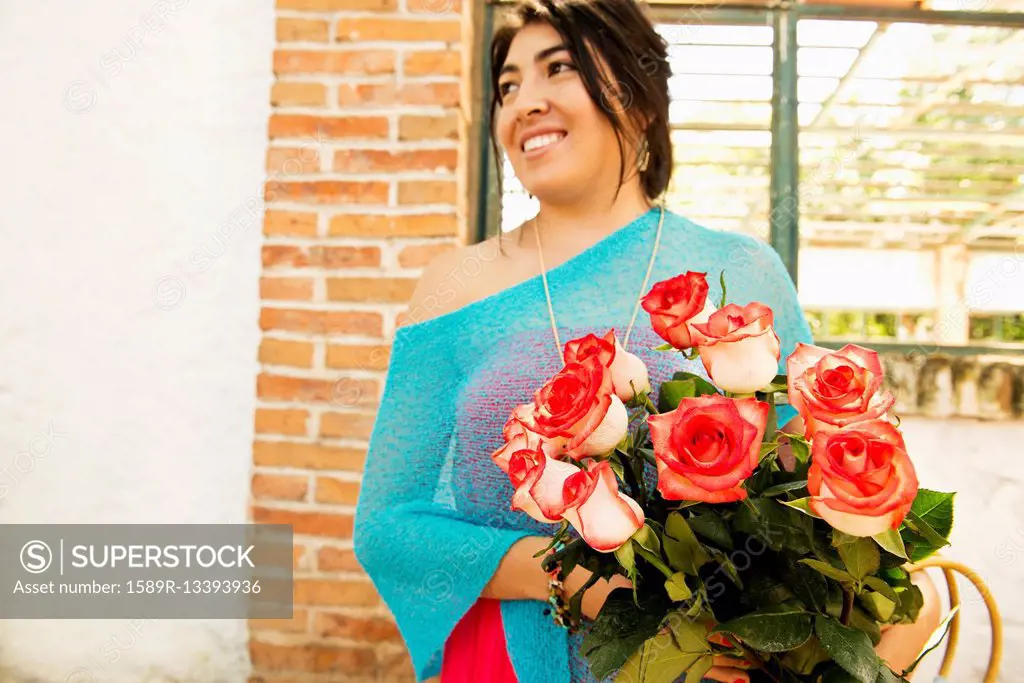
x,y
505,88
559,67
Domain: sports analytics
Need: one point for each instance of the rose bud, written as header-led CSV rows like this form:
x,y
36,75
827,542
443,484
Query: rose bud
x,y
578,405
628,372
538,479
861,479
707,447
836,388
604,516
739,347
674,304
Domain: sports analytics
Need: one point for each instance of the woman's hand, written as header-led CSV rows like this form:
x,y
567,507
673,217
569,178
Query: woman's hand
x,y
596,595
900,645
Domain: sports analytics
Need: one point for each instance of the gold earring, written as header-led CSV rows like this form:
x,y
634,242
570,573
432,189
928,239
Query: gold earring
x,y
643,157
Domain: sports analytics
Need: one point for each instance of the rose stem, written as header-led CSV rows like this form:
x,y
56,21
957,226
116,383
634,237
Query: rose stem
x,y
847,613
751,657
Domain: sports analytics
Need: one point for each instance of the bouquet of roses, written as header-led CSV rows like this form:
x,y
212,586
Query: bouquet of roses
x,y
789,551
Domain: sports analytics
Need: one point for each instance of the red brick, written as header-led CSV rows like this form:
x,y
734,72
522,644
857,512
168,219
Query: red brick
x,y
336,559
354,63
346,257
427,192
371,289
299,623
286,288
306,523
289,223
435,7
390,29
288,94
361,356
332,127
334,5
335,592
301,29
346,391
279,487
336,491
420,255
284,255
385,161
289,161
329,192
391,94
367,323
313,658
290,422
415,225
433,63
366,629
308,456
428,127
283,352
347,425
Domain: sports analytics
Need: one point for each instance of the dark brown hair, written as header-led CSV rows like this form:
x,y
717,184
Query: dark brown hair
x,y
622,35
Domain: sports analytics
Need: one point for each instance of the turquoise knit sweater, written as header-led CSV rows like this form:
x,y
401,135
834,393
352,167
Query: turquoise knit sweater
x,y
433,519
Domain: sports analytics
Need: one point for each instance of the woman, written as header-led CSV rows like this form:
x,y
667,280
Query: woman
x,y
581,110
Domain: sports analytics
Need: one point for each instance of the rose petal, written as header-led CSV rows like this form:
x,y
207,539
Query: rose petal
x,y
606,519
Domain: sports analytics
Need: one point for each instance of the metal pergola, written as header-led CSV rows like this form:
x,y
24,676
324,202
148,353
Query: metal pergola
x,y
954,137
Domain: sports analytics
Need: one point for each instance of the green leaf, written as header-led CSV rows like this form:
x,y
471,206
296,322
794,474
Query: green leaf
x,y
627,559
664,347
808,586
712,527
677,589
877,605
851,649
879,585
721,281
691,635
860,557
683,550
658,660
938,635
864,622
801,505
929,523
803,659
892,542
771,632
801,447
672,392
695,674
647,538
779,489
830,571
620,630
776,525
702,385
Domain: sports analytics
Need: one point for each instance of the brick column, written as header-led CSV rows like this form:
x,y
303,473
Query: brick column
x,y
364,185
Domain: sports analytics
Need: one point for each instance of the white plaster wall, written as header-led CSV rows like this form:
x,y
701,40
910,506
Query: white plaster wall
x,y
981,462
119,167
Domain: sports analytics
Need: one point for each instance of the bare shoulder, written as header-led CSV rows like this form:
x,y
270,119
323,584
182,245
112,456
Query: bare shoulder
x,y
463,275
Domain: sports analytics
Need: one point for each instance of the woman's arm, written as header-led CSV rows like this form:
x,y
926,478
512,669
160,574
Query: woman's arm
x,y
520,577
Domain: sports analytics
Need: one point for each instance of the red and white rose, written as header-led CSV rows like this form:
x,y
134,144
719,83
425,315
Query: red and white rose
x,y
861,479
836,388
675,305
628,373
707,447
739,347
578,405
602,515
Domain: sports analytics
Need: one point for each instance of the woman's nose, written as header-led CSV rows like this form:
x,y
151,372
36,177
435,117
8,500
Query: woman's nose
x,y
531,101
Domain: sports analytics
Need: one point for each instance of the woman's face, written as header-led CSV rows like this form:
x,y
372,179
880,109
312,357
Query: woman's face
x,y
559,143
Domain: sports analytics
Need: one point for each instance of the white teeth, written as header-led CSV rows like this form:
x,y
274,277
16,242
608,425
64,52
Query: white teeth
x,y
542,141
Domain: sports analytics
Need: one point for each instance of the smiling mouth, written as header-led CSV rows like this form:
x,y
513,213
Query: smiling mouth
x,y
540,142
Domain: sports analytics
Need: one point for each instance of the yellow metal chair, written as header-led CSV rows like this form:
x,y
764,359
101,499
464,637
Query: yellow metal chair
x,y
950,568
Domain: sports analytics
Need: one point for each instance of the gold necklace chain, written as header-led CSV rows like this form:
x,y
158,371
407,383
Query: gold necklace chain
x,y
639,299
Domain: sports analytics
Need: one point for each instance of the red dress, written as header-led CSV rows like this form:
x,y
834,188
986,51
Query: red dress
x,y
475,651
